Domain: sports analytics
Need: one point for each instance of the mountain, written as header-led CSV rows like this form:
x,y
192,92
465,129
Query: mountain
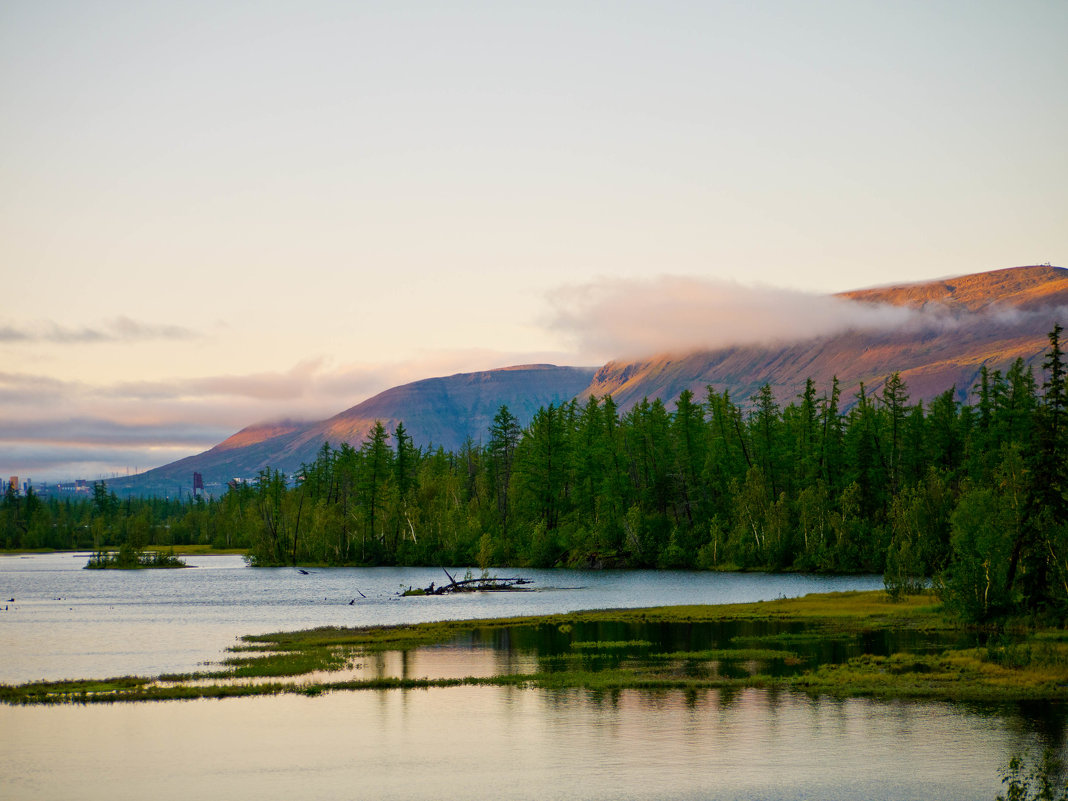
x,y
988,319
442,411
960,324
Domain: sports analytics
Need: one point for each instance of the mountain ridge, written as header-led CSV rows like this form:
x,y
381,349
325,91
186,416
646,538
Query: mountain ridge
x,y
429,409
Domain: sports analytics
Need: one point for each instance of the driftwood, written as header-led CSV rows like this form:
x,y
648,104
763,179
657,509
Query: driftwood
x,y
480,584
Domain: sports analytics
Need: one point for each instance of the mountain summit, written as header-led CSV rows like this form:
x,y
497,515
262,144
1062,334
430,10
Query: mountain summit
x,y
1025,288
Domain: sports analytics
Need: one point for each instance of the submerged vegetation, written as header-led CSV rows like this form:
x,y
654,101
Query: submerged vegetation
x,y
840,644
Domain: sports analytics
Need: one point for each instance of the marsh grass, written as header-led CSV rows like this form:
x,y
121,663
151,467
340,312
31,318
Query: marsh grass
x,y
288,663
58,691
1014,666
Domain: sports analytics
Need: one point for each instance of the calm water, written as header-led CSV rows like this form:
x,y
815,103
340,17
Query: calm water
x,y
66,622
476,742
493,743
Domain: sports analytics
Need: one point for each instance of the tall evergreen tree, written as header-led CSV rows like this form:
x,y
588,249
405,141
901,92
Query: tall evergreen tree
x,y
504,437
895,399
375,468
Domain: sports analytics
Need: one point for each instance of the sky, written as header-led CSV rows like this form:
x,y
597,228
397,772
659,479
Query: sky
x,y
218,213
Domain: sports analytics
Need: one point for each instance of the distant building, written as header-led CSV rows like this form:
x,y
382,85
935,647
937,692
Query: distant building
x,y
13,483
198,484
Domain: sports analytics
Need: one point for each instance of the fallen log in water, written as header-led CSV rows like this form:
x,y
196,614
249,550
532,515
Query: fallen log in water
x,y
480,584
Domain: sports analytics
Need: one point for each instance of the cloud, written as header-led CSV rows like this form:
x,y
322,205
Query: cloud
x,y
11,334
118,329
24,388
95,431
49,447
614,318
316,384
271,385
49,463
54,428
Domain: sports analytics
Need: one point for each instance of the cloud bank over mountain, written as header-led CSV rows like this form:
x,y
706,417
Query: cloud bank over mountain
x,y
617,318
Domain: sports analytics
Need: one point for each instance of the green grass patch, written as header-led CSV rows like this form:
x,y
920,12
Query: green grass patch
x,y
46,692
287,663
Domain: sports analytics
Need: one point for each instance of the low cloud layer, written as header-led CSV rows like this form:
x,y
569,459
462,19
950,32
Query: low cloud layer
x,y
287,385
53,429
48,463
613,319
117,329
94,432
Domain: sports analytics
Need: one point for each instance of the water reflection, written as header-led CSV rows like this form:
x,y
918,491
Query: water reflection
x,y
485,742
664,649
437,662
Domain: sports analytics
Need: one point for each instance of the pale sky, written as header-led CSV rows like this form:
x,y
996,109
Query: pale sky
x,y
216,213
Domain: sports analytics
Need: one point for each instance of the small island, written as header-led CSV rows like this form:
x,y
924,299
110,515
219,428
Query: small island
x,y
130,558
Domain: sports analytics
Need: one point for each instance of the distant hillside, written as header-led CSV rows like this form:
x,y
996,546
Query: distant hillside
x,y
435,411
996,317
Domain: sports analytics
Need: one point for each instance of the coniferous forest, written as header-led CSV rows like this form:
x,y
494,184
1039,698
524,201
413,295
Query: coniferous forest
x,y
973,495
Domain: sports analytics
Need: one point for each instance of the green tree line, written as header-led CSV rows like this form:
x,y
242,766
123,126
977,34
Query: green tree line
x,y
974,494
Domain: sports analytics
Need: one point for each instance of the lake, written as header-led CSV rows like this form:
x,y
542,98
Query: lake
x,y
477,742
66,622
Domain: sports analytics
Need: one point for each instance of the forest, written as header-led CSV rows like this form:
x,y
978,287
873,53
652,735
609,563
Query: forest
x,y
970,495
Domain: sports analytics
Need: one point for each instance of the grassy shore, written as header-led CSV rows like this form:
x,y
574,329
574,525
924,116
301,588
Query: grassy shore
x,y
773,644
208,550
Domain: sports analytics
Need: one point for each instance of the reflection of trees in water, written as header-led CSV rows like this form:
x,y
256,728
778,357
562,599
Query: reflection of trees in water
x,y
1045,720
